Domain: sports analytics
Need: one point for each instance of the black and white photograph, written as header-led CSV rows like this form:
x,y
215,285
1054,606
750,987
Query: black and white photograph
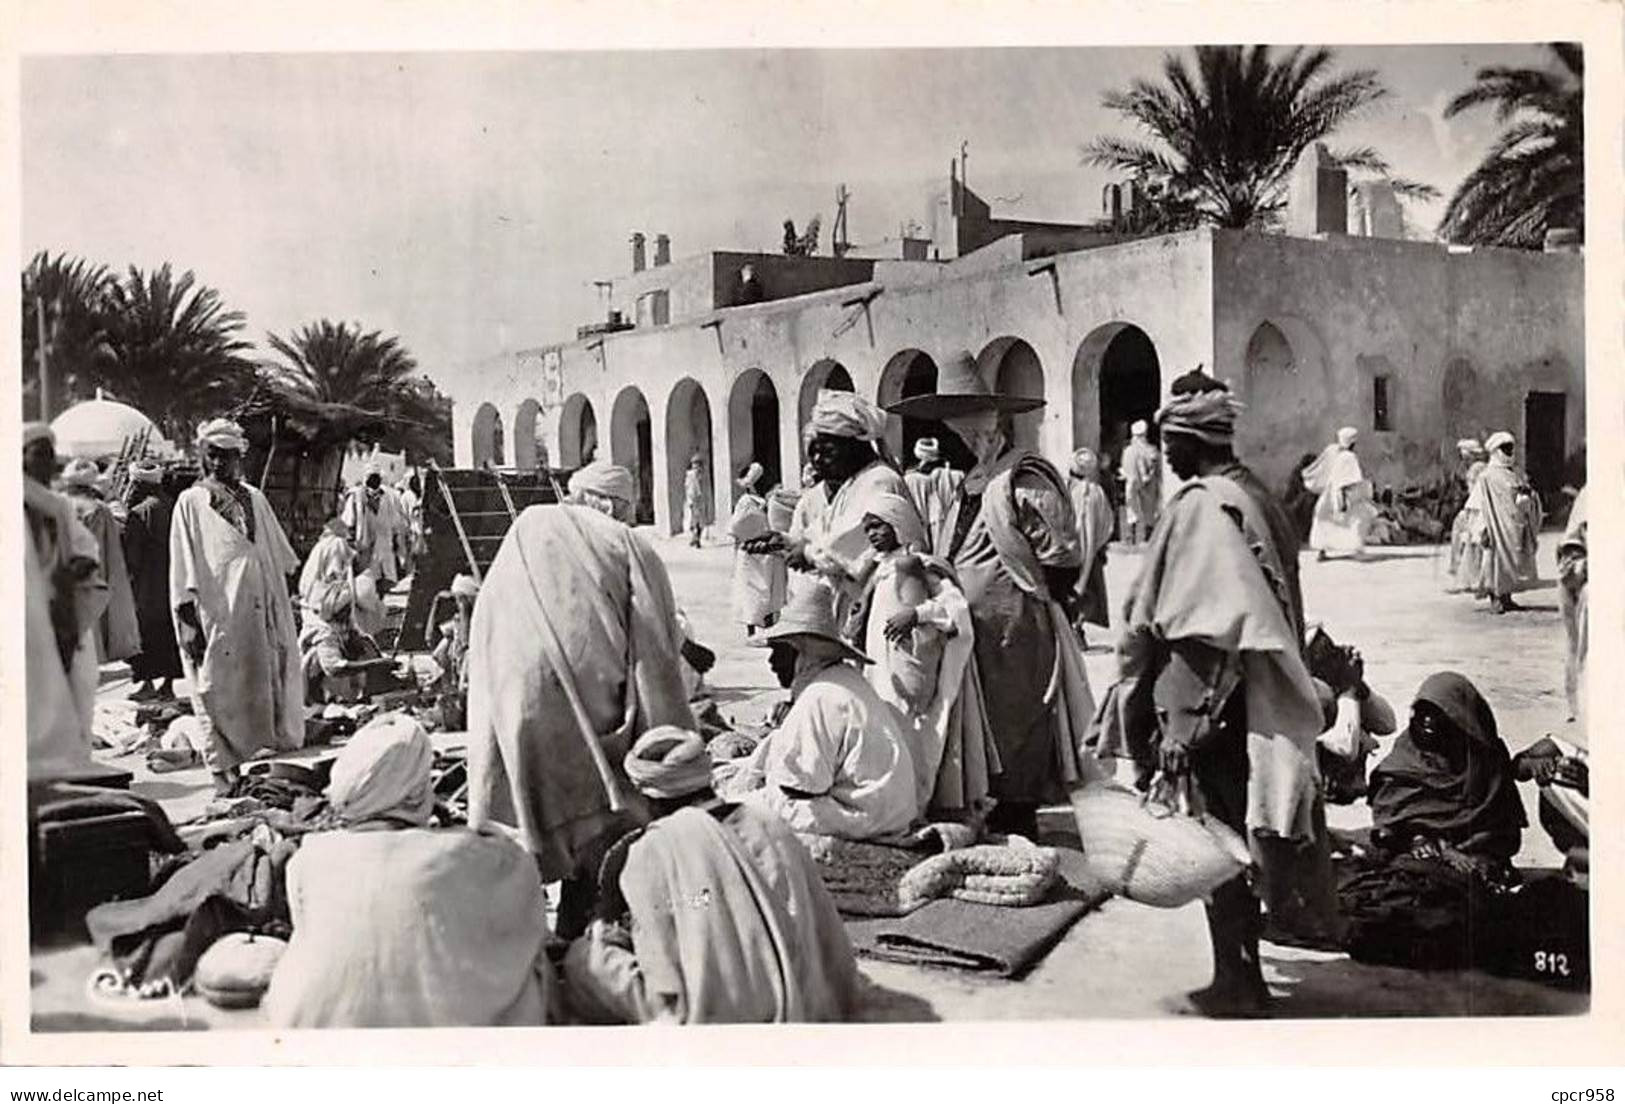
x,y
807,534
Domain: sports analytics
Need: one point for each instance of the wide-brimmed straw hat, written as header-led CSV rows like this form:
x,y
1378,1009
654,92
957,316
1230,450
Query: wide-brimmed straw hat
x,y
811,613
960,391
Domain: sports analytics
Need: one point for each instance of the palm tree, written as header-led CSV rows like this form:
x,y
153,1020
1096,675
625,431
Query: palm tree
x,y
371,374
70,298
335,362
1533,177
174,352
1226,138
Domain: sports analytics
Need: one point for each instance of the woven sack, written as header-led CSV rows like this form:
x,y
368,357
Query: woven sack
x,y
236,969
1151,850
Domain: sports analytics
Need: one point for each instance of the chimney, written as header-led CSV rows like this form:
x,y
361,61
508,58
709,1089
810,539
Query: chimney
x,y
1319,201
638,263
662,250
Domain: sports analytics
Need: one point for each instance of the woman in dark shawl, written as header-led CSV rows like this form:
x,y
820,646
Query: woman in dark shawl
x,y
1448,783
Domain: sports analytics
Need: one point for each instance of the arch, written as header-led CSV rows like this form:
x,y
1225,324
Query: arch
x,y
912,372
688,433
487,436
631,445
1116,381
753,427
824,374
529,449
578,432
1011,366
1291,405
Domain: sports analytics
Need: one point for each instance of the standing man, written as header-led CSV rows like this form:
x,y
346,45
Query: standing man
x,y
841,435
696,503
574,651
1343,509
64,596
1013,541
1142,483
146,553
1095,515
1213,686
379,529
1506,517
229,563
117,635
931,482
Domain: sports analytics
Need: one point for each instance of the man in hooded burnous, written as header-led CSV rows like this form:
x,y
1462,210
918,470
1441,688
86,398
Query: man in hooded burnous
x,y
1010,536
1506,518
229,563
1213,689
574,651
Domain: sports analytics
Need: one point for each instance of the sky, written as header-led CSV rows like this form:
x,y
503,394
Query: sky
x,y
467,201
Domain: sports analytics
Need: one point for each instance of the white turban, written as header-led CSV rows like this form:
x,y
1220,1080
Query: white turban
x,y
1139,428
1496,440
1347,436
1085,464
900,513
1469,446
383,774
846,414
464,586
81,473
603,478
147,471
222,433
752,476
927,448
669,762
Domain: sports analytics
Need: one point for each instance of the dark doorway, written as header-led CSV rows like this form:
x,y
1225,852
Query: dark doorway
x,y
1130,389
1545,430
764,430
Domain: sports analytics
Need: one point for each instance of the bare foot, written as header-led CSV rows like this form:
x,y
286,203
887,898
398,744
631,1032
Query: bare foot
x,y
1223,1001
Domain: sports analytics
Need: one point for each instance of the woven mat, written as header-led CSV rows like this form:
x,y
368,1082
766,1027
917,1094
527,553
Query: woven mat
x,y
983,938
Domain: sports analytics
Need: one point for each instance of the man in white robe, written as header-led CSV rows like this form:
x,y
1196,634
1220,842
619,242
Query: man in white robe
x,y
841,435
1142,484
759,579
837,765
1343,511
331,560
379,528
768,947
931,483
63,597
229,563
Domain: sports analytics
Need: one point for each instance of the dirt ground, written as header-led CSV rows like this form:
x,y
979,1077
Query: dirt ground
x,y
1124,960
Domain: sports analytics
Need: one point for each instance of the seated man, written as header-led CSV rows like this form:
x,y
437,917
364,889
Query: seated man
x,y
334,654
768,945
397,924
837,765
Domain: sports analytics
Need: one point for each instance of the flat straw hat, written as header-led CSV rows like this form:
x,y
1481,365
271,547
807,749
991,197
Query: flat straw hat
x,y
960,391
811,613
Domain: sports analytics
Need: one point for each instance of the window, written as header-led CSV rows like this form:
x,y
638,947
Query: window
x,y
654,308
1381,418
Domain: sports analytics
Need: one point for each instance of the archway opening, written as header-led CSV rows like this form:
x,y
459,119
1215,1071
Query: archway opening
x,y
578,432
909,373
825,375
688,434
1012,367
487,437
631,445
529,449
1130,388
753,427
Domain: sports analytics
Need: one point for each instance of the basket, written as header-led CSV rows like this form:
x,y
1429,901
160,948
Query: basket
x,y
1148,850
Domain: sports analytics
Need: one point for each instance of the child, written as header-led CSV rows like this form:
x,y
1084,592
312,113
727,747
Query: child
x,y
914,663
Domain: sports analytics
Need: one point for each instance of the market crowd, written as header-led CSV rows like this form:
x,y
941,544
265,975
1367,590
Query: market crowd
x,y
929,625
